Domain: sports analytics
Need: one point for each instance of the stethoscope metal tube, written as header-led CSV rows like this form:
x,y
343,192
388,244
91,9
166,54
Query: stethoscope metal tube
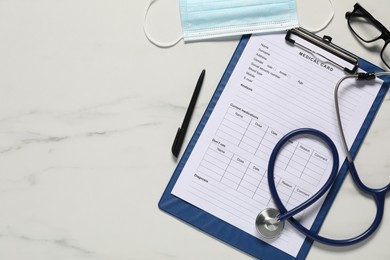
x,y
269,222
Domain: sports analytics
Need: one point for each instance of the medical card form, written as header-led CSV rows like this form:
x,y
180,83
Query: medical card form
x,y
274,88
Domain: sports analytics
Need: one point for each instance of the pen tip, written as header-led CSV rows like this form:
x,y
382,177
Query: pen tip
x,y
202,73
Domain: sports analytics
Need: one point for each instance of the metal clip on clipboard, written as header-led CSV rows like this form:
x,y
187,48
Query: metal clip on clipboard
x,y
325,44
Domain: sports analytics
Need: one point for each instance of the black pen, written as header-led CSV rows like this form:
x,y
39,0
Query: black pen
x,y
181,132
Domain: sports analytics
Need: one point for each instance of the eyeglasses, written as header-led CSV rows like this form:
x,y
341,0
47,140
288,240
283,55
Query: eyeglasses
x,y
368,29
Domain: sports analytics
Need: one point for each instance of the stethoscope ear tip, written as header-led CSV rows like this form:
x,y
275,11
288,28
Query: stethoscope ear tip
x,y
268,225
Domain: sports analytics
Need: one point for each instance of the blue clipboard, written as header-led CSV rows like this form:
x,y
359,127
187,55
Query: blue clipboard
x,y
227,232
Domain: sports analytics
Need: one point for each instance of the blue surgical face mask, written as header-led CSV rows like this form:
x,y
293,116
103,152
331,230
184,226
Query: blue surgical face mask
x,y
208,19
204,19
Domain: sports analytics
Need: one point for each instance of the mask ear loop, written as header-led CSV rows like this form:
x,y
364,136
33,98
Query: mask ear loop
x,y
150,39
326,23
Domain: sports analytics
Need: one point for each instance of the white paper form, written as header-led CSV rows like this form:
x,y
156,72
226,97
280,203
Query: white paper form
x,y
274,88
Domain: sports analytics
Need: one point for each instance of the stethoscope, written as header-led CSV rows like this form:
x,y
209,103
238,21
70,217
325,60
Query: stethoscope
x,y
270,221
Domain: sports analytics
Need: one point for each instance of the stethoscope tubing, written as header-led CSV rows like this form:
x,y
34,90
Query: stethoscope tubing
x,y
377,194
353,172
284,214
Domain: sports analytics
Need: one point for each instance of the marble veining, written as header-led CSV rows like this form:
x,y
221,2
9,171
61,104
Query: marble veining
x,y
88,113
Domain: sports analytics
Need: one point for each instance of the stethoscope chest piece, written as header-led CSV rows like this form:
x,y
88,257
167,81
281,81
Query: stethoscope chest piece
x,y
267,223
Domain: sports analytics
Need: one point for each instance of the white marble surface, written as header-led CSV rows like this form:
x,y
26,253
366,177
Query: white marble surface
x,y
88,112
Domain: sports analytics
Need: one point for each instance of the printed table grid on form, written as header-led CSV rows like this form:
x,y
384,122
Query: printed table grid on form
x,y
249,178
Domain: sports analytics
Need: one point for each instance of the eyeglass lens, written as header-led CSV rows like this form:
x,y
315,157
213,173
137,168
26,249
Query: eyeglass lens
x,y
386,55
365,28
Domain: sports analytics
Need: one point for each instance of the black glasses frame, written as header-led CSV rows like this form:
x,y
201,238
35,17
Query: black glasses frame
x,y
385,33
